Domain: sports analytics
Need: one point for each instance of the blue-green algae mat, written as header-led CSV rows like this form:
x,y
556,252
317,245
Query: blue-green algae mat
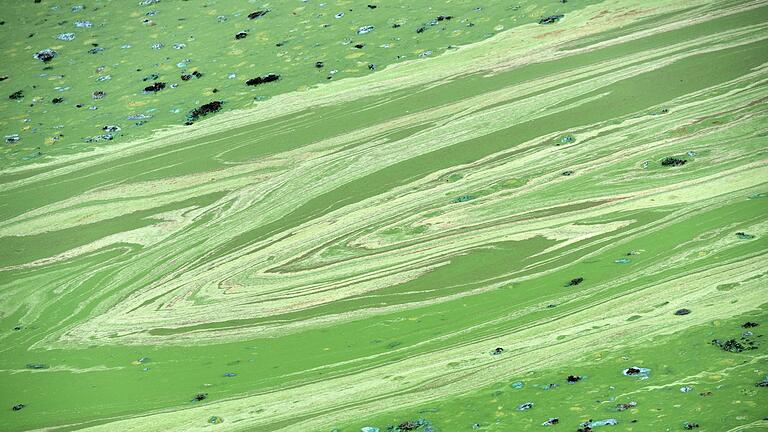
x,y
384,216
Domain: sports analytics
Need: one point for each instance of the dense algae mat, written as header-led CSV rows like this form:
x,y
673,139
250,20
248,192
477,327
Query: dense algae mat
x,y
562,221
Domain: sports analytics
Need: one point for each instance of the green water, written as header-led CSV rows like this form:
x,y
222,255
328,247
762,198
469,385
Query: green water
x,y
353,250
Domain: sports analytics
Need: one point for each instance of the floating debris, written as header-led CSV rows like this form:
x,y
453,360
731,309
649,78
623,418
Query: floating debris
x,y
411,425
731,345
744,236
200,396
763,383
13,138
517,385
19,94
683,311
18,407
463,198
690,425
497,351
686,389
66,36
625,406
262,79
45,55
83,24
643,373
215,420
749,324
36,366
574,379
204,110
671,161
241,35
589,424
154,88
258,14
98,94
551,19
365,29
115,128
230,374
575,281
525,406
551,421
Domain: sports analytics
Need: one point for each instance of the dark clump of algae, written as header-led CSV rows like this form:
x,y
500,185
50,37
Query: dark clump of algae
x,y
96,384
142,66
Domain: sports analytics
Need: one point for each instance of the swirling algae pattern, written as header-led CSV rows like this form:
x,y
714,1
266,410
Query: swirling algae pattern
x,y
493,173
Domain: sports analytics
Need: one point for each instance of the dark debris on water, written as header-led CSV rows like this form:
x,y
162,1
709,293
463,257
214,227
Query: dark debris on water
x,y
551,19
204,110
262,79
730,345
671,161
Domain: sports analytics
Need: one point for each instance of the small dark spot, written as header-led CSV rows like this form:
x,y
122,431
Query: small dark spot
x,y
497,351
19,407
57,100
359,46
3,78
690,425
750,324
186,77
201,396
319,64
372,6
682,312
16,95
420,30
241,35
197,74
575,281
567,173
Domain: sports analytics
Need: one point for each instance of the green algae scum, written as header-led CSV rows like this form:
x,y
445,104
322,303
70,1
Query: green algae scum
x,y
384,216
